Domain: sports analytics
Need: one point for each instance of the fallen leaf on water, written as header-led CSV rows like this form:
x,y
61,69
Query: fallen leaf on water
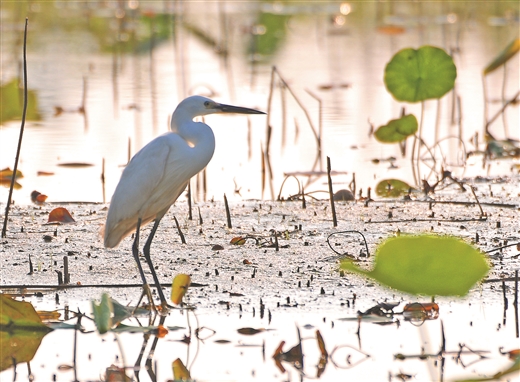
x,y
321,344
179,287
250,331
116,374
21,332
180,373
416,310
75,164
334,86
238,241
61,215
7,183
7,174
513,354
38,197
161,331
48,315
44,173
222,341
19,315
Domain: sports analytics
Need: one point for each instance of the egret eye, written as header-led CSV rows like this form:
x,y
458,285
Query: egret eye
x,y
206,103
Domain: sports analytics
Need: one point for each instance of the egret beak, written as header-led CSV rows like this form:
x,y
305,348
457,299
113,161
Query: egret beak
x,y
222,108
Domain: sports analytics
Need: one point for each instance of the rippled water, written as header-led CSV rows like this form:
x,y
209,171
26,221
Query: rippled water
x,y
131,80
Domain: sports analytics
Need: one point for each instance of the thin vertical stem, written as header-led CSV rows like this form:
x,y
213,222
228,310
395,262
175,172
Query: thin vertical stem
x,y
228,214
331,195
504,88
15,169
181,235
190,213
515,303
484,92
103,180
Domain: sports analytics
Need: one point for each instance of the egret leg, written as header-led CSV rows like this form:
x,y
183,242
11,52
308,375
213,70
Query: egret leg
x,y
135,252
146,251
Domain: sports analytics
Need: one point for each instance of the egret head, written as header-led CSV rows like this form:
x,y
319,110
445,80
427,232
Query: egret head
x,y
197,105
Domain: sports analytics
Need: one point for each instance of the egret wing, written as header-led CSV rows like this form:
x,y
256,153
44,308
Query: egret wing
x,y
132,197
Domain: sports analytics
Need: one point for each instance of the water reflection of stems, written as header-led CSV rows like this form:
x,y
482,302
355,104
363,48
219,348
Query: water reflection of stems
x,y
266,165
512,100
416,171
441,354
77,327
349,364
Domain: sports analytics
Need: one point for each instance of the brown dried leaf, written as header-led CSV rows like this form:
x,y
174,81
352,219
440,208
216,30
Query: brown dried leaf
x,y
238,241
61,215
250,331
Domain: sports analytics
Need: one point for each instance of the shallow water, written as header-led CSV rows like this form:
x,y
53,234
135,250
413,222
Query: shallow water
x,y
132,82
298,285
478,325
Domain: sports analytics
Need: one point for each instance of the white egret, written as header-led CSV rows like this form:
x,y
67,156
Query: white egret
x,y
156,176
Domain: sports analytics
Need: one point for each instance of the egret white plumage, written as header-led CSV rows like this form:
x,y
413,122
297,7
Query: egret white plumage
x,y
156,176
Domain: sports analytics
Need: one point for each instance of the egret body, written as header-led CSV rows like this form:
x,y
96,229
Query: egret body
x,y
156,176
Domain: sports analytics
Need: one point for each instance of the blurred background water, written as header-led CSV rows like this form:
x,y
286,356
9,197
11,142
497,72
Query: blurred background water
x,y
105,76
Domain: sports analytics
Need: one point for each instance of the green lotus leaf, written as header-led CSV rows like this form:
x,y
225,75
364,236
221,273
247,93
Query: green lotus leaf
x,y
392,188
397,130
414,75
426,265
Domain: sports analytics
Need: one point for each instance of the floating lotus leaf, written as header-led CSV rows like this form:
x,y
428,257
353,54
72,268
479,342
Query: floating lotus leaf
x,y
392,188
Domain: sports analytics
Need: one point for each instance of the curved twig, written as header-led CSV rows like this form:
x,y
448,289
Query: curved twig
x,y
283,183
337,233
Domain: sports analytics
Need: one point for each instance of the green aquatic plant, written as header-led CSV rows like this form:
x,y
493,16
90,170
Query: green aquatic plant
x,y
415,75
392,188
426,265
11,102
397,130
